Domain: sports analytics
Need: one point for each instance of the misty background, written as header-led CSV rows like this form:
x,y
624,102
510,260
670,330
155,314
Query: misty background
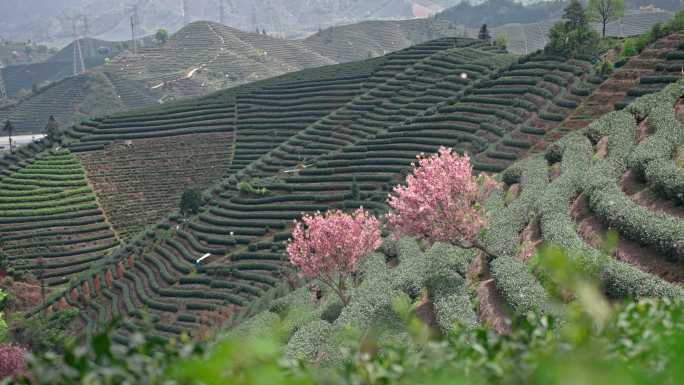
x,y
51,21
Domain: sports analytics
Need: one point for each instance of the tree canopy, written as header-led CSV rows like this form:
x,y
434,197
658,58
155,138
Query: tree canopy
x,y
573,36
191,200
162,35
484,33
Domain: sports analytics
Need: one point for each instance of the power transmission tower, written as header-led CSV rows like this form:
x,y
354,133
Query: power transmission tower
x,y
79,64
255,26
3,90
186,13
86,34
134,28
222,12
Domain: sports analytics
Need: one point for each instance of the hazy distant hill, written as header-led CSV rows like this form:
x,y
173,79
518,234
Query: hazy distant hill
x,y
206,56
23,77
109,20
500,12
200,58
525,38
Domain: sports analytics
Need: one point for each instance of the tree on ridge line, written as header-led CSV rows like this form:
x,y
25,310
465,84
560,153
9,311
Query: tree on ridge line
x,y
604,11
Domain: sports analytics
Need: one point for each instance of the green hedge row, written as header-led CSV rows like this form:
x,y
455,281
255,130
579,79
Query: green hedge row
x,y
619,279
675,55
502,236
519,287
659,79
42,206
140,291
178,264
551,116
667,178
652,158
665,233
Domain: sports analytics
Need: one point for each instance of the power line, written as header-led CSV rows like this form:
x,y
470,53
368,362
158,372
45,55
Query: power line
x,y
134,27
3,90
79,64
86,35
133,38
78,59
186,12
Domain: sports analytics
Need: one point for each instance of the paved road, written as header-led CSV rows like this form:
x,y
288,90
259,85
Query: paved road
x,y
18,140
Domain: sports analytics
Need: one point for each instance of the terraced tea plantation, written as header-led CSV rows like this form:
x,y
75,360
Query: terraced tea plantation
x,y
415,72
132,196
204,57
640,75
369,142
51,224
609,176
340,137
570,196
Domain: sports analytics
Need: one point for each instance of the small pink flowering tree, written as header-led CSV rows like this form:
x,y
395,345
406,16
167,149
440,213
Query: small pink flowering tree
x,y
328,246
11,361
441,200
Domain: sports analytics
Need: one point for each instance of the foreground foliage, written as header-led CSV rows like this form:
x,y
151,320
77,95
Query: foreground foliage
x,y
637,343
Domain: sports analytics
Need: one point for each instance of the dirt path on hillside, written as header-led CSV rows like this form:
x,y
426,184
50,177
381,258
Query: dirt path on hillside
x,y
491,310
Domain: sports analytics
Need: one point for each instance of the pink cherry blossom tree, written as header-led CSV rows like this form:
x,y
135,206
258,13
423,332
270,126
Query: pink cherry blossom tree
x,y
328,247
441,200
11,361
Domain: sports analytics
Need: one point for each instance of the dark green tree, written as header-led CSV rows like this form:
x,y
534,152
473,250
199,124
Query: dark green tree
x,y
9,129
484,33
191,201
573,36
356,190
52,128
162,36
574,15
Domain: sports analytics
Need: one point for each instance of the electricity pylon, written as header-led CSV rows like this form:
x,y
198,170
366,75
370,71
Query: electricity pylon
x,y
3,90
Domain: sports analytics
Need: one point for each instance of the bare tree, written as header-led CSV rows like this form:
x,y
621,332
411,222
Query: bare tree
x,y
603,11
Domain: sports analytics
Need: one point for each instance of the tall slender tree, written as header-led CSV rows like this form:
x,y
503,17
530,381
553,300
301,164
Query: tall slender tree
x,y
9,129
574,15
604,11
484,33
52,129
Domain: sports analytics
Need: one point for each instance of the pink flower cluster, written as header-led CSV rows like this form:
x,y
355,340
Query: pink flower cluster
x,y
439,200
11,361
323,245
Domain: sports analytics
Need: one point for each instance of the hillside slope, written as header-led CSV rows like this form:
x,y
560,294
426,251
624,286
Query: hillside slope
x,y
523,38
612,175
50,220
301,143
205,56
54,68
415,72
199,59
109,20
